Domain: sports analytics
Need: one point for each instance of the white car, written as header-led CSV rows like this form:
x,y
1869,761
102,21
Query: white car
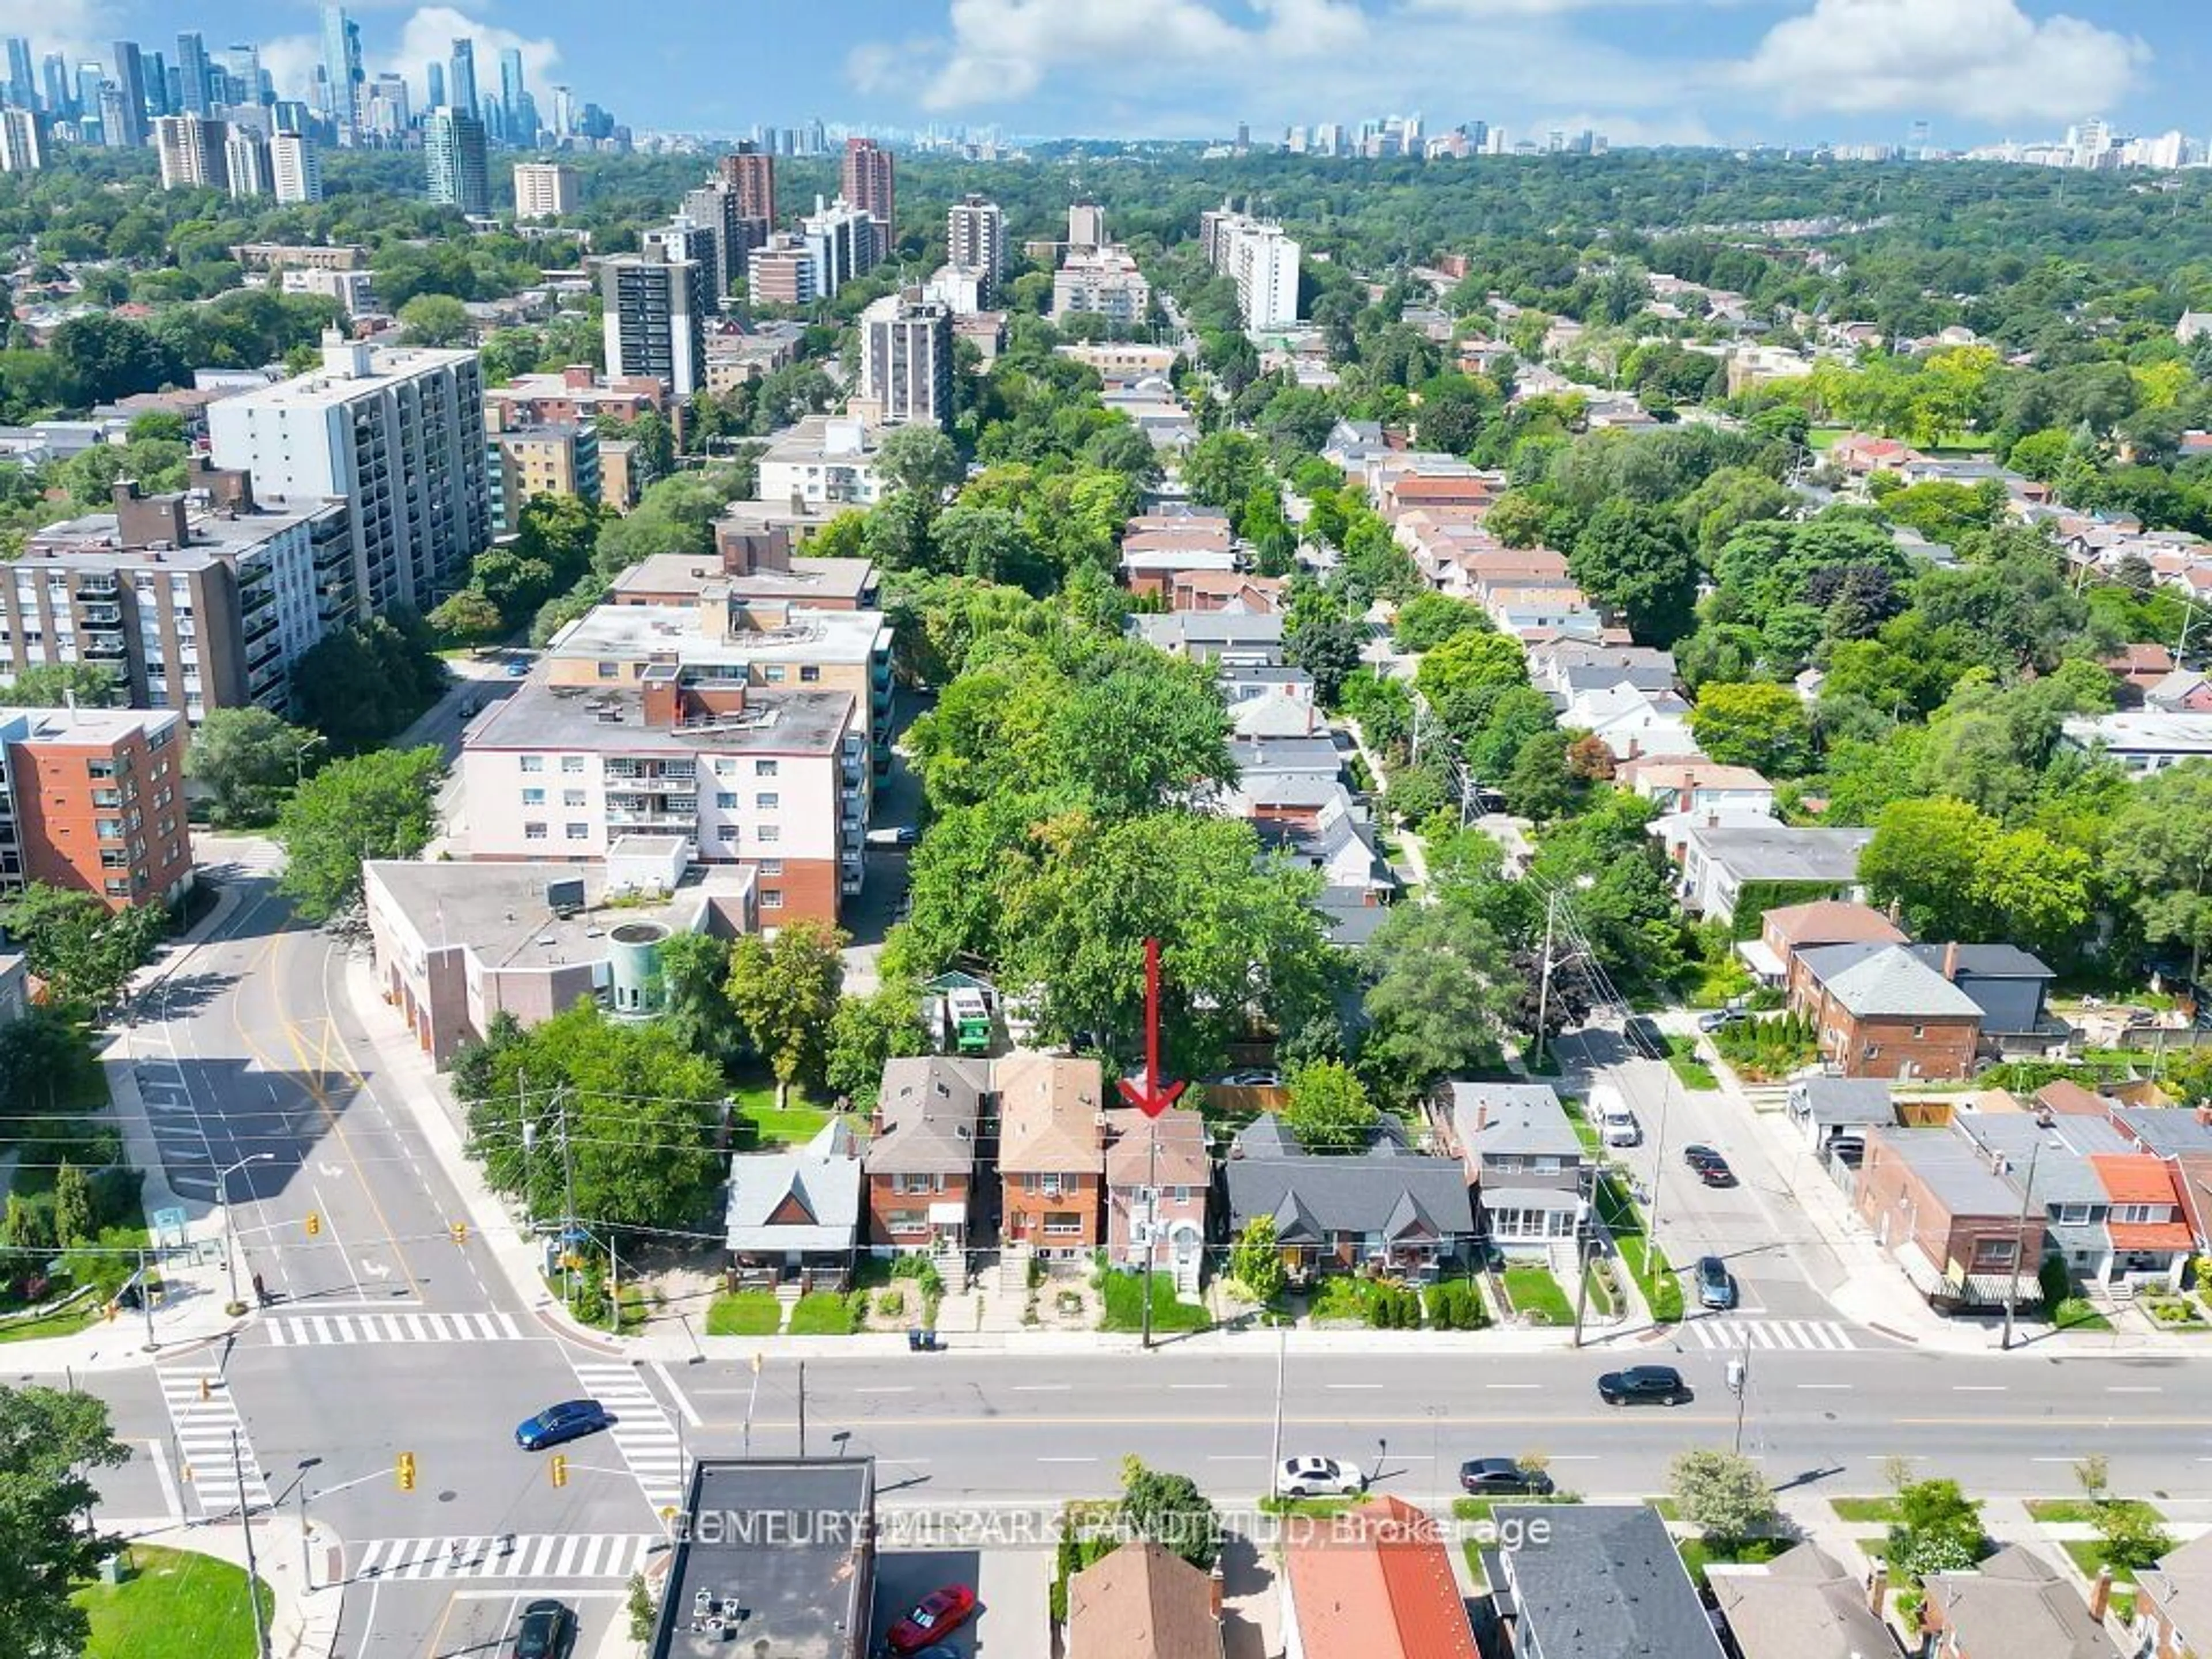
x,y
1318,1476
1256,1076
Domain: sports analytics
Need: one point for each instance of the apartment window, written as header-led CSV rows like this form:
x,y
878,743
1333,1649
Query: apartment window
x,y
572,764
609,671
768,802
772,673
533,762
572,798
771,866
771,898
1995,1255
2073,1215
116,886
534,832
1919,1031
808,674
725,800
727,832
2141,1214
764,768
769,832
108,828
533,798
578,831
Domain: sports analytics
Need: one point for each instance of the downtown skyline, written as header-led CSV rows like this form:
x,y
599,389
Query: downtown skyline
x,y
1644,71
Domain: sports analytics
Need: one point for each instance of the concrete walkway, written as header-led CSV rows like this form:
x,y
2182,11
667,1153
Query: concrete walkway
x,y
304,1621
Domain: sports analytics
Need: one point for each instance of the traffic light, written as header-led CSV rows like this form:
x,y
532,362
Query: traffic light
x,y
314,1223
559,1466
407,1471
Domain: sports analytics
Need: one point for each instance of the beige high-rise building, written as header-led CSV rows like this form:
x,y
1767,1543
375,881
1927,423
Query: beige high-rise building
x,y
295,168
544,190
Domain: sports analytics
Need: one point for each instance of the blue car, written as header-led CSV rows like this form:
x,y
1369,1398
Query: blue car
x,y
571,1419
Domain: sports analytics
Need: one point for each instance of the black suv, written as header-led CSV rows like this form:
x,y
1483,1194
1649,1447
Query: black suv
x,y
1644,1385
548,1630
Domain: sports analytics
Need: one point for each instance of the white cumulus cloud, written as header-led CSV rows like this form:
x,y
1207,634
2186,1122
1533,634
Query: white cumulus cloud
x,y
1986,59
428,36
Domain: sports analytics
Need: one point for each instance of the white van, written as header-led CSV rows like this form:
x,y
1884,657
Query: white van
x,y
1616,1124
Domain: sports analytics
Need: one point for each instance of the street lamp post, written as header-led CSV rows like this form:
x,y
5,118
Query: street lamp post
x,y
2020,1244
230,1216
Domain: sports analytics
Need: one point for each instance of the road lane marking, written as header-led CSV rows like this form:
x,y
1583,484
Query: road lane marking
x,y
1978,1387
1513,1385
1068,1460
902,1389
683,1401
1042,1388
2133,1387
170,1496
1187,1387
1347,1387
1832,1387
1262,1458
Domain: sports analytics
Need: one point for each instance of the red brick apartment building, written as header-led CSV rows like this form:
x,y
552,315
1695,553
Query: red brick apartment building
x,y
93,798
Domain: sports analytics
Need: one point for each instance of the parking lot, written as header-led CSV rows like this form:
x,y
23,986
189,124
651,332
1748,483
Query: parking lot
x,y
1013,1597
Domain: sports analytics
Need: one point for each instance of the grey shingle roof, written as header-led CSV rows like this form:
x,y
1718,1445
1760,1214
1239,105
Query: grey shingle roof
x,y
1389,1188
1522,1118
1843,1102
1607,1581
1781,852
929,1107
1886,980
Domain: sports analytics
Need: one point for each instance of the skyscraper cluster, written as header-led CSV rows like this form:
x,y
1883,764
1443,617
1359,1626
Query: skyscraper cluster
x,y
122,101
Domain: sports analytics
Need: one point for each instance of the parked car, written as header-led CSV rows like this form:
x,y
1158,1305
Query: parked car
x,y
1715,1285
1644,1385
1697,1155
903,835
1616,1124
518,670
1318,1476
1502,1477
571,1419
1720,1019
548,1630
1715,1172
938,1614
1253,1076
1645,1037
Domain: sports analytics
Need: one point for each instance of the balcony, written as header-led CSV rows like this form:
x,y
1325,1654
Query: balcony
x,y
106,647
96,587
100,615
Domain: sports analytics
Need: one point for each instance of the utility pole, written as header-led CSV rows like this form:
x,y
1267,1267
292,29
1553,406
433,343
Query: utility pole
x,y
1651,1252
146,1302
1738,1382
2020,1244
1154,1098
1282,1370
253,1577
1583,1243
569,1179
1152,1221
1544,982
802,1409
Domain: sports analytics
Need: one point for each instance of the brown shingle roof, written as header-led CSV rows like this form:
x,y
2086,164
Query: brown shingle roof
x,y
1143,1601
1048,1111
1833,922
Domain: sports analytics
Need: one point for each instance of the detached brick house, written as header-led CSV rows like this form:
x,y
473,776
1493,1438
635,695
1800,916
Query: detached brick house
x,y
2173,1603
1880,1012
920,1159
1052,1153
1157,1172
1789,928
1388,1209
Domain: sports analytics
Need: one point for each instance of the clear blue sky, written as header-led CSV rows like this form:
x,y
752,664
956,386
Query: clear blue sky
x,y
1656,70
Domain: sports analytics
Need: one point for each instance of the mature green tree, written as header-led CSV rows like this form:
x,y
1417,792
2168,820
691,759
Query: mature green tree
x,y
695,973
1170,1509
1329,1109
625,1110
1723,1494
1757,724
2159,854
785,992
1632,557
52,686
1224,468
1137,739
467,613
362,685
1427,620
868,1032
377,806
1464,676
85,952
1926,856
1326,645
104,357
1937,1529
1442,986
52,1445
247,759
919,459
1520,519
434,319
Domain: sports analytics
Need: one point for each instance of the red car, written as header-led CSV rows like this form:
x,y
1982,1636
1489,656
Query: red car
x,y
936,1616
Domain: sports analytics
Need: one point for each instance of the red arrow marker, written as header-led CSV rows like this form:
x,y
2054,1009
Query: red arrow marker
x,y
1152,1097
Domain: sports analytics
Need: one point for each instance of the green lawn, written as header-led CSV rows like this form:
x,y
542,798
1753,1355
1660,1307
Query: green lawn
x,y
1694,1071
1481,1509
172,1604
826,1313
1699,1553
1318,1509
66,1322
1585,1131
744,1313
2088,1554
2064,1511
1534,1292
791,1125
1864,1508
1646,1264
2078,1313
1124,1306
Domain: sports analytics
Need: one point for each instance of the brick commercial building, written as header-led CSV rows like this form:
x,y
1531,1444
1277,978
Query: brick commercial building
x,y
93,798
1936,1203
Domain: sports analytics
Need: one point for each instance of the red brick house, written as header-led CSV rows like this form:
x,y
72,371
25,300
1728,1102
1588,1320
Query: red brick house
x,y
1953,1222
1880,1012
921,1158
1052,1153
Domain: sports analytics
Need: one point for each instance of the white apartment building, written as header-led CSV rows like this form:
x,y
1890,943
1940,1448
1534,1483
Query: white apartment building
x,y
295,168
906,359
777,781
826,461
1105,280
246,160
842,240
544,190
354,290
1260,260
190,147
975,239
399,434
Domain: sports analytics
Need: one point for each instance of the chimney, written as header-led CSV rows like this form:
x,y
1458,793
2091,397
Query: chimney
x,y
1951,960
2101,1594
1877,1589
577,377
1214,1590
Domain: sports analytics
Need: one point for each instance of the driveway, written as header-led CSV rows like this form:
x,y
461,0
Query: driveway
x,y
1012,1588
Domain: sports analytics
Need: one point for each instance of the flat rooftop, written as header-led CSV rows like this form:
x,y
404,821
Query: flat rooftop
x,y
808,441
583,718
90,542
683,573
104,728
319,388
670,633
500,912
789,1544
1955,1170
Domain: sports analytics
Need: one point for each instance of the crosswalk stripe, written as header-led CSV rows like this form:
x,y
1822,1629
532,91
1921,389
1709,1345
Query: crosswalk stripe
x,y
294,1330
204,1430
1772,1336
530,1557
